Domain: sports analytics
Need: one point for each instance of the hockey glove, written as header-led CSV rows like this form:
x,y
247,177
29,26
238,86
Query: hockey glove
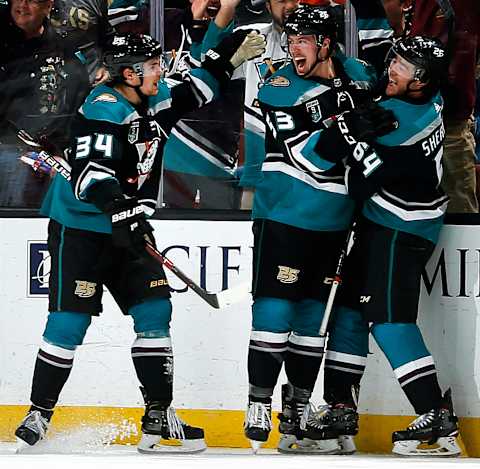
x,y
366,123
252,46
130,229
232,51
362,124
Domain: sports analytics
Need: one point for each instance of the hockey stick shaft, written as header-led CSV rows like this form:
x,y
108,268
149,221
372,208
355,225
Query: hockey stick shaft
x,y
210,298
337,279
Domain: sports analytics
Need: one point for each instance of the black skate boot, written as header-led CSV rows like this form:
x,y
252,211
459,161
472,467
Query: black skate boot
x,y
341,419
299,433
32,428
437,428
258,423
331,428
161,423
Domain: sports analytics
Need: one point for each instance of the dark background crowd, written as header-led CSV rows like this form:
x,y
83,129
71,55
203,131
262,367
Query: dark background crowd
x,y
51,56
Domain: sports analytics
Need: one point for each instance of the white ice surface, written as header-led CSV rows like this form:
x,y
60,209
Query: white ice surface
x,y
72,455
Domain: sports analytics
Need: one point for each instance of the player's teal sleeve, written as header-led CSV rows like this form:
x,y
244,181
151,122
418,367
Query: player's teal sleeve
x,y
301,149
213,37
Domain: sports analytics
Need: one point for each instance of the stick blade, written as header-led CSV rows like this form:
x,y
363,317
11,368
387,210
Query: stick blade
x,y
26,138
233,295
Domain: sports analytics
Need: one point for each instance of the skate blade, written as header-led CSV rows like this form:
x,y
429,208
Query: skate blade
x,y
444,447
256,445
21,446
155,444
290,444
347,444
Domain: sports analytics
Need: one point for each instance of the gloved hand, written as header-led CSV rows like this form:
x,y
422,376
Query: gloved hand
x,y
130,228
360,126
252,46
367,122
232,51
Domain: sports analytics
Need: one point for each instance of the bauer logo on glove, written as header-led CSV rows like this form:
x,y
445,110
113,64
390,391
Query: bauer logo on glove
x,y
133,212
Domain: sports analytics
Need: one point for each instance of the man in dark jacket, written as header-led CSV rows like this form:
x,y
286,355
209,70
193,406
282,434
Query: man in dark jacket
x,y
41,89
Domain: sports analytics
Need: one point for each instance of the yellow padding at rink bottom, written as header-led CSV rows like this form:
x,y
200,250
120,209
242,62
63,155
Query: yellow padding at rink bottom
x,y
223,428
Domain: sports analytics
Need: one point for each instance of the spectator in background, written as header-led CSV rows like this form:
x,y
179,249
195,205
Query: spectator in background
x,y
41,89
477,116
85,30
255,73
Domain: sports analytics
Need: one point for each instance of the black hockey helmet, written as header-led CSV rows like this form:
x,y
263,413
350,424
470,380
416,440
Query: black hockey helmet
x,y
130,51
427,54
319,21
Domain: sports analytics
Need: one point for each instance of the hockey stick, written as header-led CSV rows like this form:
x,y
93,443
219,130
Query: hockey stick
x,y
58,164
337,279
216,300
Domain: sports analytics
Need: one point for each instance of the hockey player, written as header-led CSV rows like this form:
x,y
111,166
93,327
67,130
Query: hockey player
x,y
200,156
98,228
301,211
396,177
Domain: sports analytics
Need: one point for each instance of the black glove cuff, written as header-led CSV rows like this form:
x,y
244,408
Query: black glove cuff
x,y
124,210
220,68
198,29
104,193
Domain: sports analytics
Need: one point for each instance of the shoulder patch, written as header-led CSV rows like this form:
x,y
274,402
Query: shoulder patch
x,y
105,98
279,80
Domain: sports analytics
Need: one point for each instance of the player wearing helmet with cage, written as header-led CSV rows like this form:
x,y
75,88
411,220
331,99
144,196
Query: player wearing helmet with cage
x,y
395,179
301,212
98,227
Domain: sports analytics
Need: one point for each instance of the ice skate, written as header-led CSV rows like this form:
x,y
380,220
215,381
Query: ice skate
x,y
164,432
431,434
300,430
258,423
329,430
31,430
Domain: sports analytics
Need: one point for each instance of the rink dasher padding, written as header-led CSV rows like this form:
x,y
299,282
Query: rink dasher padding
x,y
211,345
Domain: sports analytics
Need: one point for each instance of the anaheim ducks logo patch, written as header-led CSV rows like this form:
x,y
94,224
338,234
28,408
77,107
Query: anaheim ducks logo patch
x,y
287,274
279,80
105,98
85,289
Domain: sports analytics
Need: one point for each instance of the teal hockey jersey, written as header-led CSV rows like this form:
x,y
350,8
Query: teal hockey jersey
x,y
297,186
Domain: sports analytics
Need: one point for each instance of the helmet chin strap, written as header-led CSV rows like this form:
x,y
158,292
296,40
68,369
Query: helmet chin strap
x,y
136,88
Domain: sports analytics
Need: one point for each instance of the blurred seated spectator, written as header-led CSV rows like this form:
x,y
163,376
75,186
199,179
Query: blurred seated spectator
x,y
477,114
85,30
41,90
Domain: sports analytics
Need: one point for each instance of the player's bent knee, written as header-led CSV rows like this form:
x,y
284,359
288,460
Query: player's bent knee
x,y
152,317
272,314
349,333
347,318
308,317
65,329
400,342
